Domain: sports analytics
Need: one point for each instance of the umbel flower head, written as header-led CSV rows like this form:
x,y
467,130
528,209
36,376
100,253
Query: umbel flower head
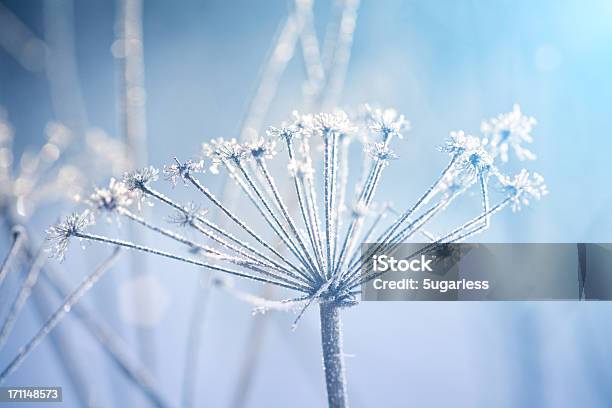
x,y
111,198
303,239
458,143
138,179
380,152
261,148
327,124
180,171
284,133
221,151
509,131
321,258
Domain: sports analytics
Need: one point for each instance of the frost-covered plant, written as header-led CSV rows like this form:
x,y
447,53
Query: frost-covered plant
x,y
321,260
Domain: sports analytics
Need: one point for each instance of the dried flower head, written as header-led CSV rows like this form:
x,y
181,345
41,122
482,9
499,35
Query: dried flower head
x,y
458,143
261,149
523,187
58,235
220,151
304,123
509,130
286,133
380,152
338,123
111,198
387,122
316,252
476,161
139,179
178,170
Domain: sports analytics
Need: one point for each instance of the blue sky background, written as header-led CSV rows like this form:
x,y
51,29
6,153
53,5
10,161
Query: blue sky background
x,y
446,65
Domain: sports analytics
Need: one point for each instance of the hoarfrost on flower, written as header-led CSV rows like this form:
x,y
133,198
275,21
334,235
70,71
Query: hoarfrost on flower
x,y
138,179
458,143
220,151
523,187
58,235
261,149
286,133
387,122
111,198
509,131
380,152
338,123
176,171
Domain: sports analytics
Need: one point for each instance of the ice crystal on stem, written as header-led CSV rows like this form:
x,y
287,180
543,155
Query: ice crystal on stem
x,y
321,258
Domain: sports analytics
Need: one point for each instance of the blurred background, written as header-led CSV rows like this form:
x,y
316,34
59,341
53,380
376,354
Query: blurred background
x,y
204,69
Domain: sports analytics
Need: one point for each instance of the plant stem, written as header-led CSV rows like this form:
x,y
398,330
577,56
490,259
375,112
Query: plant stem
x,y
58,315
333,355
18,238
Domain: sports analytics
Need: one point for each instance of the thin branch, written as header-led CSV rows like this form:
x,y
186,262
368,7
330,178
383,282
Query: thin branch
x,y
58,315
19,236
142,248
25,290
110,342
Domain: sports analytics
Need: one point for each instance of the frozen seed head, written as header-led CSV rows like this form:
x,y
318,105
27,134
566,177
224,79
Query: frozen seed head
x,y
286,133
231,151
523,187
477,161
387,122
58,235
472,158
458,143
304,123
111,198
337,123
178,170
380,152
509,131
221,150
188,216
137,182
261,149
139,179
